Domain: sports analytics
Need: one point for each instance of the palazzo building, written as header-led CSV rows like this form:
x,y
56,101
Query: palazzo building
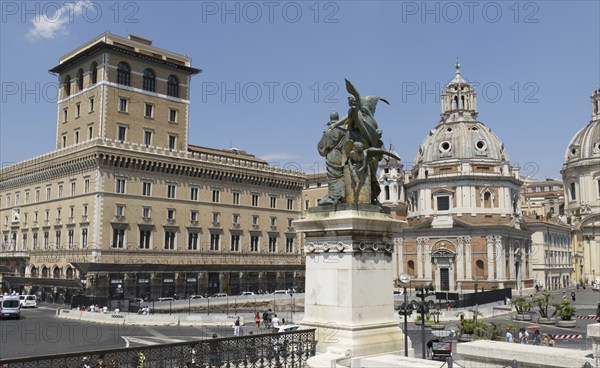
x,y
581,177
126,207
465,228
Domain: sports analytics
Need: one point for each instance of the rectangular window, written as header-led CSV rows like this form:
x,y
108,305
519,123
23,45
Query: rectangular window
x,y
60,190
169,239
194,193
172,141
73,188
37,194
122,133
289,245
35,216
273,221
172,116
214,241
146,188
192,241
65,115
290,203
57,239
76,136
77,110
86,185
120,210
236,219
71,212
272,244
90,132
84,237
147,138
216,217
254,243
193,215
273,202
443,203
236,198
91,104
216,195
118,238
35,241
70,234
120,185
64,140
235,243
171,214
17,198
573,193
25,241
289,222
171,191
146,212
46,239
254,200
149,112
144,239
47,215
255,220
122,105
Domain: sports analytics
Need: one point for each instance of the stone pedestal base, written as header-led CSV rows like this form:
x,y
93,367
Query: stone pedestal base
x,y
349,284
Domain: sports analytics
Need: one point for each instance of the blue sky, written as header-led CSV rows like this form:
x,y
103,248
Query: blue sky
x,y
273,71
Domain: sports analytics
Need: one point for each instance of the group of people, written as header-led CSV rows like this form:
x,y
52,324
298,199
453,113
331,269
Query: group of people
x,y
538,338
270,320
95,308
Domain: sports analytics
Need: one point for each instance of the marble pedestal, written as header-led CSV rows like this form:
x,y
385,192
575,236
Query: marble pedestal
x,y
349,283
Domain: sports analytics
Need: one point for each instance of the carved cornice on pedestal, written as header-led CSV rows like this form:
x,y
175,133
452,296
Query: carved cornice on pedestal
x,y
356,247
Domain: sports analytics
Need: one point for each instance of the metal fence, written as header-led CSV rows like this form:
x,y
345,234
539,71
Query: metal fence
x,y
279,350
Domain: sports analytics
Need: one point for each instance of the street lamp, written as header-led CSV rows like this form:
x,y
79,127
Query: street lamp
x,y
405,309
423,292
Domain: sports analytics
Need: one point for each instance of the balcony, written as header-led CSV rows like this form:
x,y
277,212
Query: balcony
x,y
236,225
146,220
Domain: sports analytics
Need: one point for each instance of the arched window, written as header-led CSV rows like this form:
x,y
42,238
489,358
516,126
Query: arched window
x,y
387,192
173,86
411,268
149,80
479,269
94,73
34,271
487,200
56,273
67,86
69,272
80,80
123,74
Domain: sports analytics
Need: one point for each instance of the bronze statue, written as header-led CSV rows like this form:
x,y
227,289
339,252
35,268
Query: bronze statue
x,y
352,153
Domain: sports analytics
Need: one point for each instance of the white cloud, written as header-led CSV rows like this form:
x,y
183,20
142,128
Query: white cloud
x,y
54,21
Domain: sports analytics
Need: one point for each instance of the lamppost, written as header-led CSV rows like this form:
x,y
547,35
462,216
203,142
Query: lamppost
x,y
405,309
423,292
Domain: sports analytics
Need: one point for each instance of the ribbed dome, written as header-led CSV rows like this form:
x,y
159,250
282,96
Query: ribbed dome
x,y
459,135
586,143
461,140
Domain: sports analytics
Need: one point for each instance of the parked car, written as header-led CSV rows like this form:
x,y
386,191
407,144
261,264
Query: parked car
x,y
196,297
218,295
276,292
10,307
246,293
30,301
165,298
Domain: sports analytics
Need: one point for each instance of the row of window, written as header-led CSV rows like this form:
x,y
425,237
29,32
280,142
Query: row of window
x,y
37,193
123,78
145,241
16,215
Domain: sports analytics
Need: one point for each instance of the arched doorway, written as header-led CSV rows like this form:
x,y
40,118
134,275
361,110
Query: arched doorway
x,y
442,257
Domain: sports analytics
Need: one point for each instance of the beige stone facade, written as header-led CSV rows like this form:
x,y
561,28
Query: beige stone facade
x,y
128,207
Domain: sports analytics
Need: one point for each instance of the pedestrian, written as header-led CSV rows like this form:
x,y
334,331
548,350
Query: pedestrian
x,y
523,336
549,340
573,295
236,327
509,335
537,339
275,322
86,363
266,320
257,320
564,298
215,352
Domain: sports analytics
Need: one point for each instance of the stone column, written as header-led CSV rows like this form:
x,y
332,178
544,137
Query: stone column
x,y
427,258
490,256
468,258
460,258
499,258
399,252
419,258
593,331
350,301
511,260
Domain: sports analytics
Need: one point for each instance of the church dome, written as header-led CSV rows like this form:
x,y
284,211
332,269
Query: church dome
x,y
586,143
459,135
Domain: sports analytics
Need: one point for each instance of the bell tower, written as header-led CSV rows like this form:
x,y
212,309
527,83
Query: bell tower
x,y
459,100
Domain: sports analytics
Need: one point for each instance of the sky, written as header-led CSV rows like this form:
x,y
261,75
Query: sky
x,y
273,71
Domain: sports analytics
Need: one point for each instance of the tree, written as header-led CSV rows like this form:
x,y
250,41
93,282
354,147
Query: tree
x,y
543,301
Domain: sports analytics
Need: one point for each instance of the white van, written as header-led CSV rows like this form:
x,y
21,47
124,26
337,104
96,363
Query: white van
x,y
10,307
30,301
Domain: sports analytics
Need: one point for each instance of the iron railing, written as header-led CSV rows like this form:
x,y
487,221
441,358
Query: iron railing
x,y
278,350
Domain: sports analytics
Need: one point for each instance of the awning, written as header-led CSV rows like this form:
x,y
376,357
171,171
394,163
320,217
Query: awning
x,y
4,269
35,281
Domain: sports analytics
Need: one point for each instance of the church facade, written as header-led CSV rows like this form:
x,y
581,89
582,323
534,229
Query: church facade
x,y
465,229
